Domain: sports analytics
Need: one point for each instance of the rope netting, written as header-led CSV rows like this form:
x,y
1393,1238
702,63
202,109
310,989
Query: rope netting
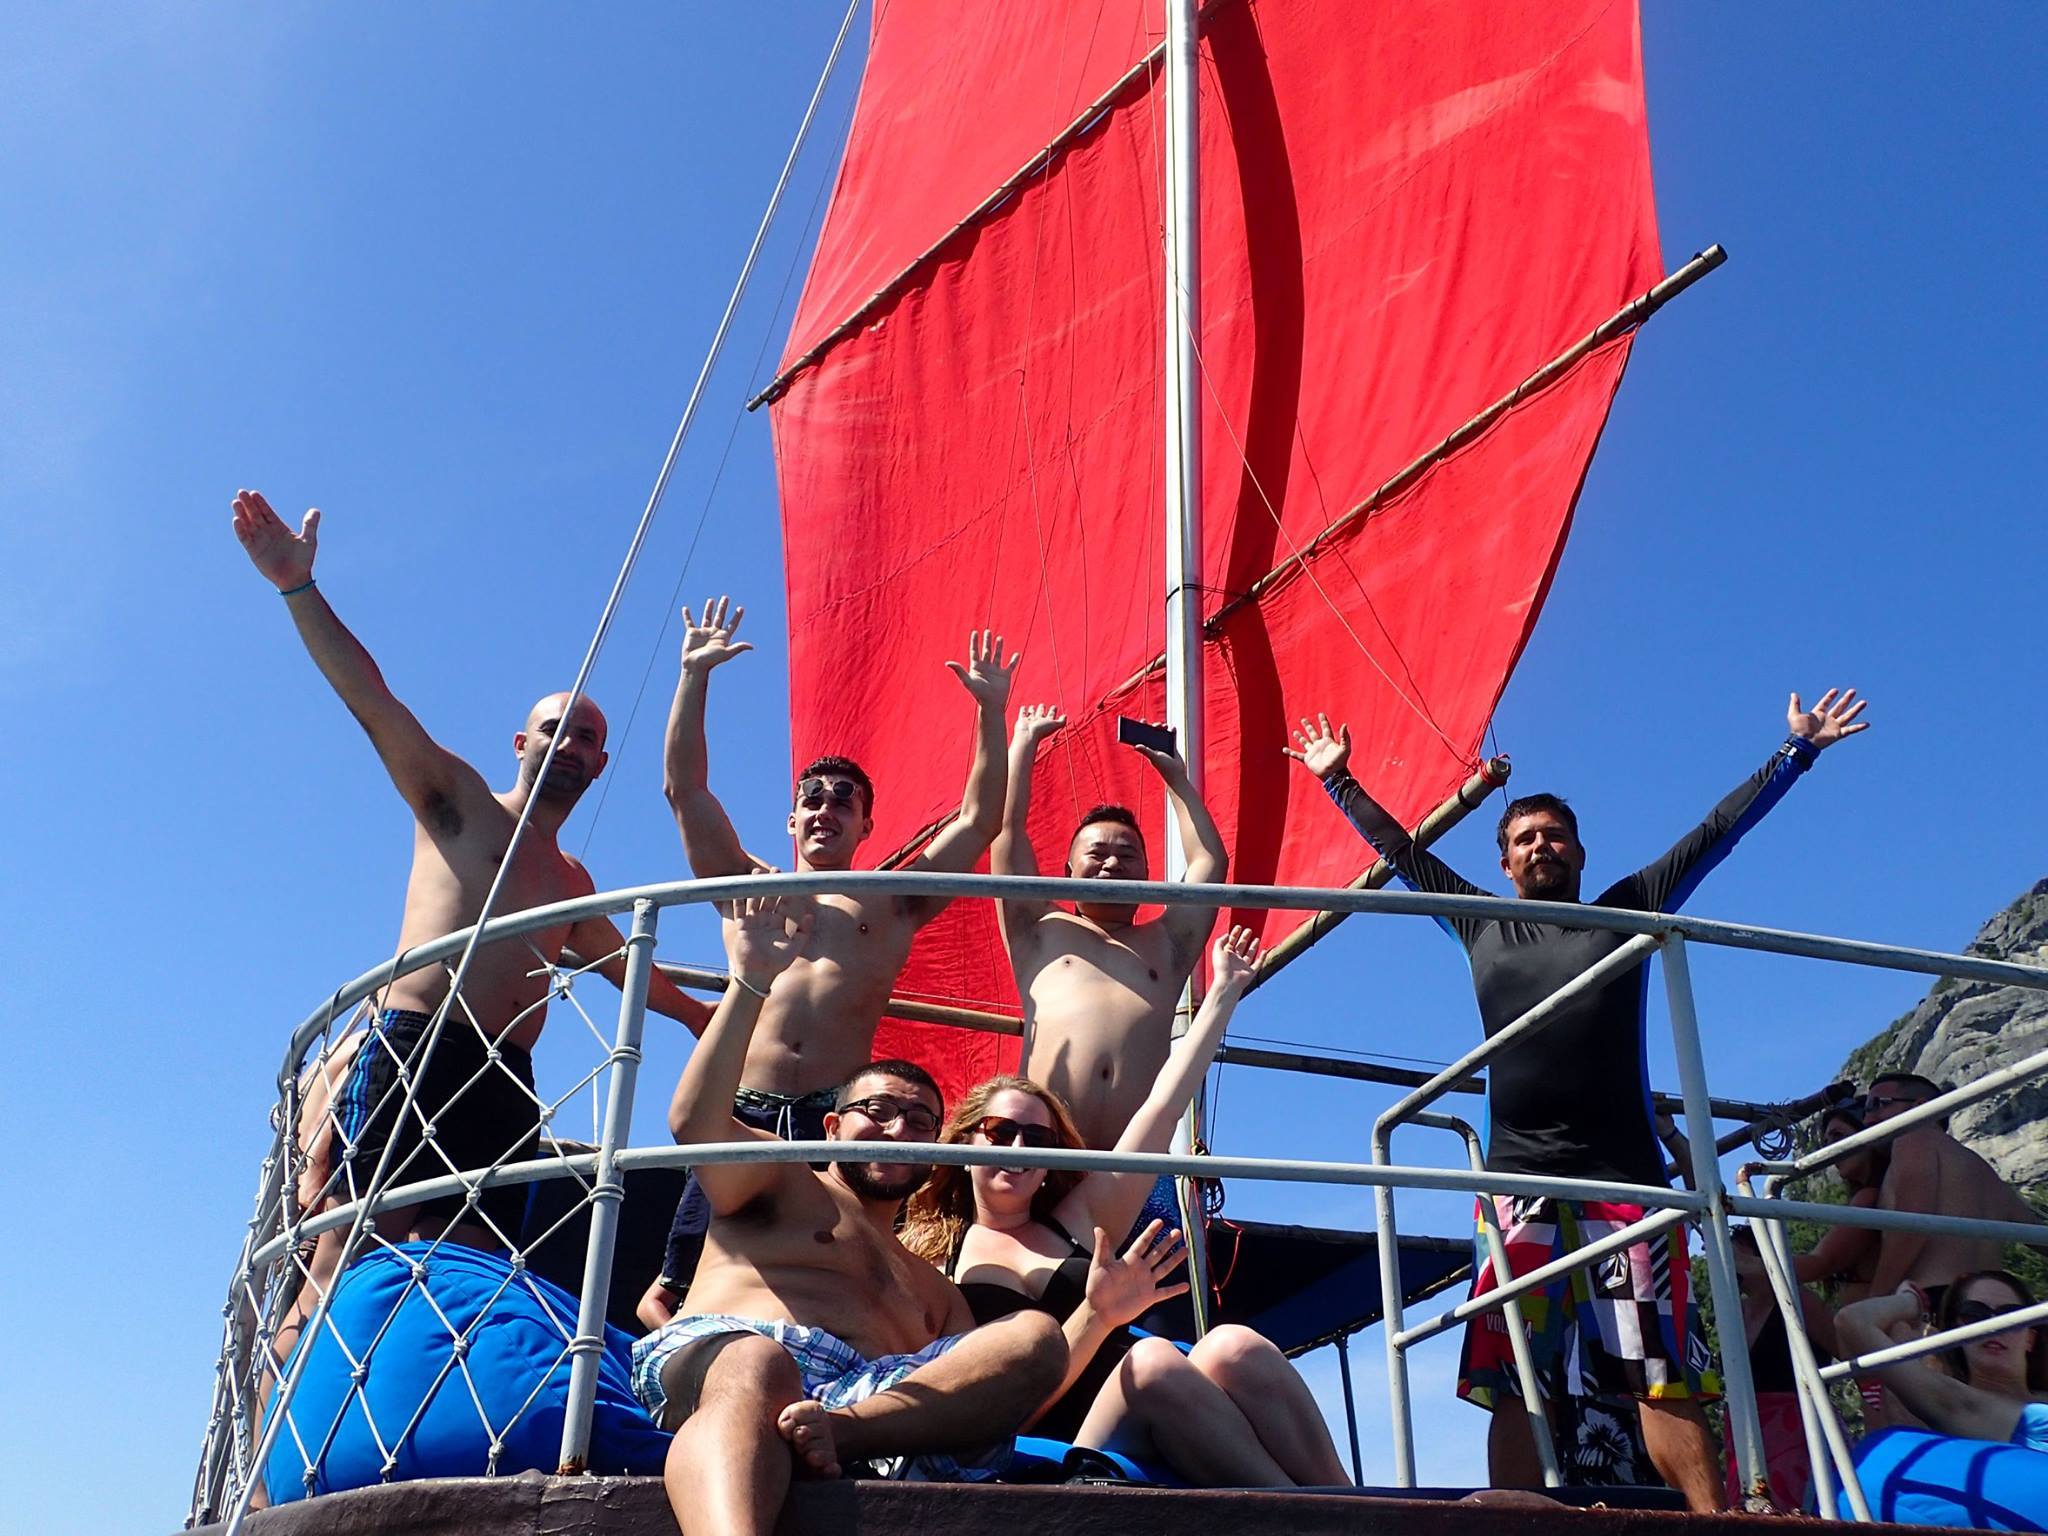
x,y
436,1096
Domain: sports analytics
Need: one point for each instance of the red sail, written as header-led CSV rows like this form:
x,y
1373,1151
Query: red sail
x,y
1405,212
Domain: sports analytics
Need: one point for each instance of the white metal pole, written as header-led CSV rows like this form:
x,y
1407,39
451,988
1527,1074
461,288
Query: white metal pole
x,y
1183,266
608,1193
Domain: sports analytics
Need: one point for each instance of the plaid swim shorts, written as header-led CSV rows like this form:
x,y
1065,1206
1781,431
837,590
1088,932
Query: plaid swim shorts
x,y
834,1374
1624,1326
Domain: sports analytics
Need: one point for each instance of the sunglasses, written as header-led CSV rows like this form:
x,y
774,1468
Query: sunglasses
x,y
1983,1311
812,793
1880,1101
1001,1131
885,1112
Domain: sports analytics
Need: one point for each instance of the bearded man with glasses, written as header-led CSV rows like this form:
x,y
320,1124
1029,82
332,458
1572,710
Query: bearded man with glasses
x,y
815,1340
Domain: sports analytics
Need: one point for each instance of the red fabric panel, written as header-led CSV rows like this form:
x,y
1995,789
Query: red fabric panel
x,y
1399,224
955,101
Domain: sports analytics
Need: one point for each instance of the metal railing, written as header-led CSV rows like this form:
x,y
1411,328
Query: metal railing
x,y
256,1379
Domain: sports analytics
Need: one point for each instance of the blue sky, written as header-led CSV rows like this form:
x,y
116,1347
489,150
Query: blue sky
x,y
447,272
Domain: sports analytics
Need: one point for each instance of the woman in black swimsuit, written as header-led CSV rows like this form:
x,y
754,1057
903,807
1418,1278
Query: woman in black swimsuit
x,y
1230,1413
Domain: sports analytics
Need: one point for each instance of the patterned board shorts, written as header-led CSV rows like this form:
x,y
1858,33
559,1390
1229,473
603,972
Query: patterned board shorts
x,y
1625,1327
834,1374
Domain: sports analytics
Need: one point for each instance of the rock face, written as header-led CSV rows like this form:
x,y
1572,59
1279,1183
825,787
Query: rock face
x,y
1963,1029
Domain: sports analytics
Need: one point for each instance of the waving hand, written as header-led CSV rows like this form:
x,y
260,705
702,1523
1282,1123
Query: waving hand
x,y
285,558
1829,720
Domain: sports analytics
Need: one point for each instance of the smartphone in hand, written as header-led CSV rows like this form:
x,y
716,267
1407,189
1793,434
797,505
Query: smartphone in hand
x,y
1142,733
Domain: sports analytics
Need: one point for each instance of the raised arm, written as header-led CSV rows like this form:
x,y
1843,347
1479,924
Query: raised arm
x,y
1012,853
1665,885
1950,1406
432,780
760,942
709,841
1113,1200
963,840
1327,754
601,936
1202,847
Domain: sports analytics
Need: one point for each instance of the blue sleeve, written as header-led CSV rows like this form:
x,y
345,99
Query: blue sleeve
x,y
1415,866
1665,885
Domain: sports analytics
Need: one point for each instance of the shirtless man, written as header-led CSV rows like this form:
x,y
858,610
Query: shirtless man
x,y
820,1023
461,828
814,1338
1932,1171
1099,987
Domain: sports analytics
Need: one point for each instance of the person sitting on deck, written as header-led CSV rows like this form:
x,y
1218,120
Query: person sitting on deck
x,y
1846,1257
1099,987
814,1340
1572,1102
476,1088
1992,1389
819,1025
1928,1170
1786,1466
1232,1412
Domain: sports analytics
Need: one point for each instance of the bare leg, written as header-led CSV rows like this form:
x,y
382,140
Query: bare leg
x,y
1683,1450
728,1468
1511,1447
979,1390
1272,1396
1159,1406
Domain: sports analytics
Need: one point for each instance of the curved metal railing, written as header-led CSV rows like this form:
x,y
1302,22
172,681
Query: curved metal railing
x,y
256,1380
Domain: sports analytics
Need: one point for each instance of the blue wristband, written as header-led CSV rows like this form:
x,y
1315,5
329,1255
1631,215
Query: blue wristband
x,y
301,587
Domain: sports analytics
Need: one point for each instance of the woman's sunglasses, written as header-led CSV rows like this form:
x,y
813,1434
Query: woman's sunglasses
x,y
1983,1311
1001,1131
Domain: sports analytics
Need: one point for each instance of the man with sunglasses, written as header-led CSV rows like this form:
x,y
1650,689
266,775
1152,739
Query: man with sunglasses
x,y
1099,987
820,1024
1930,1171
815,1340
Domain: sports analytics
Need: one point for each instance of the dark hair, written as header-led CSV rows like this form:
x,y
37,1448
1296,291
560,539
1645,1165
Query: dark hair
x,y
1528,805
1850,1112
846,767
1122,815
1926,1085
908,1071
1945,1318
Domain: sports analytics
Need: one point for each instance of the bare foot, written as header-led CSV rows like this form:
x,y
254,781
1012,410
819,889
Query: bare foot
x,y
808,1429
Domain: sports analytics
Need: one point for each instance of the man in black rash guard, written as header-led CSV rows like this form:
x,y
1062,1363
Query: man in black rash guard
x,y
1574,1102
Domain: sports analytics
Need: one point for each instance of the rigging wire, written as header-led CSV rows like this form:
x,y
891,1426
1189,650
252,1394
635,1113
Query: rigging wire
x,y
739,417
379,1179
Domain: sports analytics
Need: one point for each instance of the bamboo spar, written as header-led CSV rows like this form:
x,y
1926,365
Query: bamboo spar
x,y
1491,775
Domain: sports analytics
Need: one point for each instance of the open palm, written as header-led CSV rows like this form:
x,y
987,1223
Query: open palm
x,y
285,558
708,640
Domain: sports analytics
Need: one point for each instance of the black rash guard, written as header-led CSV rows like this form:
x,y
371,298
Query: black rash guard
x,y
1574,1101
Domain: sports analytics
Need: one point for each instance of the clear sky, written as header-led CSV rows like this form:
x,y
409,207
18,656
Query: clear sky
x,y
446,272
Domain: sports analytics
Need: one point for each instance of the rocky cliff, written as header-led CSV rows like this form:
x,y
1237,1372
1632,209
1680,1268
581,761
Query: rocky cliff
x,y
1963,1029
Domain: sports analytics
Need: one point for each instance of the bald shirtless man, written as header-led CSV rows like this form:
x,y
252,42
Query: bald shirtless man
x,y
477,1087
820,1022
1099,987
1931,1171
815,1340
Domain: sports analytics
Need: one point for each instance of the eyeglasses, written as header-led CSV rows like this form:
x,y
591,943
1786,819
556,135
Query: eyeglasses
x,y
1001,1131
1881,1101
1983,1311
813,793
885,1112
